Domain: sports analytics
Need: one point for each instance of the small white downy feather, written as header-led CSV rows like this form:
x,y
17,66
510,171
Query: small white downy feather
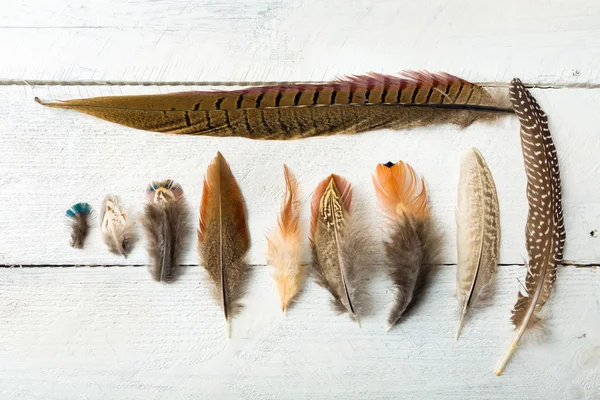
x,y
118,231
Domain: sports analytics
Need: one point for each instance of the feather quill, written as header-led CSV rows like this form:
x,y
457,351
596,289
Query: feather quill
x,y
165,223
339,246
223,237
544,231
117,228
477,233
283,245
412,242
79,216
348,105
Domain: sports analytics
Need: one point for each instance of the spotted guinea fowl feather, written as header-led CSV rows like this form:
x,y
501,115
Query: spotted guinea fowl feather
x,y
544,231
349,105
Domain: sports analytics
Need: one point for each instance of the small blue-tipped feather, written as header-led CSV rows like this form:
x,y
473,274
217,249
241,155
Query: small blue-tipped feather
x,y
79,208
79,215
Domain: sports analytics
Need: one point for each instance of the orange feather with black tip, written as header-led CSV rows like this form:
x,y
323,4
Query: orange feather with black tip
x,y
413,242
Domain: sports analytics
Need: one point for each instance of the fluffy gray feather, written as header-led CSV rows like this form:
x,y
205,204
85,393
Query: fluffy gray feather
x,y
165,223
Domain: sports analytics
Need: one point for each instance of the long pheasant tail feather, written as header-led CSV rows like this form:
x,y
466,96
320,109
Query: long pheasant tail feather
x,y
165,223
339,246
412,241
544,231
283,245
477,233
223,237
349,105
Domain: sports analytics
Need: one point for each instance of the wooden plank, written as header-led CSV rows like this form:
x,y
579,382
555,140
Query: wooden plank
x,y
112,333
256,40
54,158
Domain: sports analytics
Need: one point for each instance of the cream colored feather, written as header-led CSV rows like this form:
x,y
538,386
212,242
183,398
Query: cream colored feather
x,y
477,233
283,251
118,231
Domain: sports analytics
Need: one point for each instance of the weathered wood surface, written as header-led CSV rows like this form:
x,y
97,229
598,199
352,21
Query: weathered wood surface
x,y
111,333
543,42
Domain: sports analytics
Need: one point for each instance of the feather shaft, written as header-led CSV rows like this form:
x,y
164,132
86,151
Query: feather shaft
x,y
349,105
223,237
544,232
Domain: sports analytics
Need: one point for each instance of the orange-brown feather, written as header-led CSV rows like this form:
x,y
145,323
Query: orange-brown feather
x,y
284,245
220,178
289,217
399,190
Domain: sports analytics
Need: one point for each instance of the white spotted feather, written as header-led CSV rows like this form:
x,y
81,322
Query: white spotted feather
x,y
544,231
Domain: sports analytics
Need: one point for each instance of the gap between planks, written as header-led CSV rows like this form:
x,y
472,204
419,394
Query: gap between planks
x,y
21,82
567,264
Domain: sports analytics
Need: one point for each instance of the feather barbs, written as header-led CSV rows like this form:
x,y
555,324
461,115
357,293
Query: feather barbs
x,y
165,224
333,189
477,233
399,190
412,241
223,238
79,215
116,227
220,182
348,105
544,230
284,244
341,258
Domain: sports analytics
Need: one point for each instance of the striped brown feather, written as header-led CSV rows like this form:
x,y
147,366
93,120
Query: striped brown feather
x,y
349,105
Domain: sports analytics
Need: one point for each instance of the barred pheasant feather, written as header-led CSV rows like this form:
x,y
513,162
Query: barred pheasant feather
x,y
166,225
544,231
339,247
413,243
477,233
349,105
283,251
79,215
223,237
116,226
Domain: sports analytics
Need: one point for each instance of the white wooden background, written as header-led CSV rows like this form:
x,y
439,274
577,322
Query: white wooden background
x,y
89,325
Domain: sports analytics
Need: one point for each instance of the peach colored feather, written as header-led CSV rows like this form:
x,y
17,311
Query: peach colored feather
x,y
283,245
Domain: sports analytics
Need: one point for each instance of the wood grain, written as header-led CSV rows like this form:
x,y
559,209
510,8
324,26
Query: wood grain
x,y
112,333
53,158
542,42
